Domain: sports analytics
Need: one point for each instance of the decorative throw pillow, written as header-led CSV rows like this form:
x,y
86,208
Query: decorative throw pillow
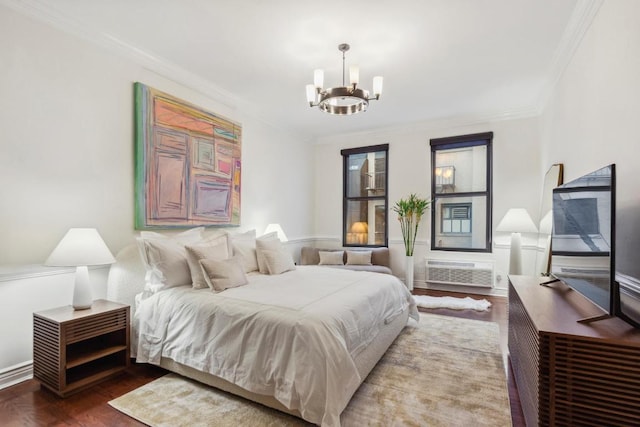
x,y
358,257
331,257
244,245
278,261
215,248
268,241
223,274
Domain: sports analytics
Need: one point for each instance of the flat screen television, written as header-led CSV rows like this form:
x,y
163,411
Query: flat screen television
x,y
583,238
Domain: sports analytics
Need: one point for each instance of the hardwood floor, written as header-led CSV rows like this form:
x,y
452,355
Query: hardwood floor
x,y
27,404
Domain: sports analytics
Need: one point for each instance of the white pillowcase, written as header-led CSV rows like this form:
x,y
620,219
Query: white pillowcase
x,y
168,264
358,257
268,241
216,247
278,261
223,274
331,257
187,237
244,245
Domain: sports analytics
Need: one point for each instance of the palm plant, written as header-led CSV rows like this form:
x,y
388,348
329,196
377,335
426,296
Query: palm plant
x,y
410,212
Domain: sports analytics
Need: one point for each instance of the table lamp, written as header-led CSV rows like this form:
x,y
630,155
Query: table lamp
x,y
361,231
516,221
79,248
276,227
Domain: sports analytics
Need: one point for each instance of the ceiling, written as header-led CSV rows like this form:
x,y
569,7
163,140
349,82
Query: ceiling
x,y
440,59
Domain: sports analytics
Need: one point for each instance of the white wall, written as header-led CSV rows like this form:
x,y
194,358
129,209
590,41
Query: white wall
x,y
66,114
592,118
517,183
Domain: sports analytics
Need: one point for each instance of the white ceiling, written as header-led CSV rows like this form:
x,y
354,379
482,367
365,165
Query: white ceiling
x,y
440,59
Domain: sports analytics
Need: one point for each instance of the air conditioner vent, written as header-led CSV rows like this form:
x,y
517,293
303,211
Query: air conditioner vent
x,y
465,273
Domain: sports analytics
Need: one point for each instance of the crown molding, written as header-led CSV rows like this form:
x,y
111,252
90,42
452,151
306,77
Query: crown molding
x,y
46,12
581,19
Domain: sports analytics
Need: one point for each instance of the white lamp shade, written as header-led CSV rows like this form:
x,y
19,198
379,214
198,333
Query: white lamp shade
x,y
517,220
276,227
359,227
79,247
311,93
377,85
354,74
318,78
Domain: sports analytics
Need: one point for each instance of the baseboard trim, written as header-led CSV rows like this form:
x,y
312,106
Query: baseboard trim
x,y
16,374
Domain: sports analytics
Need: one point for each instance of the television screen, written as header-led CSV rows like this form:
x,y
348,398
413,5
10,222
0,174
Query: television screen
x,y
582,236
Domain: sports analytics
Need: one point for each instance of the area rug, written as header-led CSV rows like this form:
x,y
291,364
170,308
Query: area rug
x,y
442,371
453,303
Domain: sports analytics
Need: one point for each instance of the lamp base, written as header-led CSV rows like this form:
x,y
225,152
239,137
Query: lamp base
x,y
515,255
82,298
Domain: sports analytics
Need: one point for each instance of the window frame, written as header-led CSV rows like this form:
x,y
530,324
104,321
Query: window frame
x,y
346,199
463,141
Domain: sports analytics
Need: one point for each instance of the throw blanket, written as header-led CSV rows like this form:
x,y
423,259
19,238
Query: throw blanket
x,y
292,336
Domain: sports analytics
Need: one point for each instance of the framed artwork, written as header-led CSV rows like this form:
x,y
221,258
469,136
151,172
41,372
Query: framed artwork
x,y
187,164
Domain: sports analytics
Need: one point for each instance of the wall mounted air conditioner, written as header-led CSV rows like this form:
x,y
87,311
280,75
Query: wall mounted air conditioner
x,y
465,273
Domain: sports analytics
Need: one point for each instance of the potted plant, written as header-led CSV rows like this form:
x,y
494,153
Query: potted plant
x,y
410,212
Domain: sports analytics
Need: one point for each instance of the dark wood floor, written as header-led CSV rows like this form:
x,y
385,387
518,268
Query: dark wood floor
x,y
26,404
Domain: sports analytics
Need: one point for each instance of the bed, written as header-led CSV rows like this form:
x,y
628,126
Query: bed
x,y
301,342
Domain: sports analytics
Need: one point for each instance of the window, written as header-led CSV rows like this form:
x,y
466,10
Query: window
x,y
461,177
365,196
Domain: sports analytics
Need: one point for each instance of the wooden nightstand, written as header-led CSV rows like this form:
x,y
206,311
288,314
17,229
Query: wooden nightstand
x,y
73,350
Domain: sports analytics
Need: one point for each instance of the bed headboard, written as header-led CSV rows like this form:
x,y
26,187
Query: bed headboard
x,y
126,276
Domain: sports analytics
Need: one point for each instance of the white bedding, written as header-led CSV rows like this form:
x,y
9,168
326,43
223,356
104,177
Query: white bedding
x,y
292,336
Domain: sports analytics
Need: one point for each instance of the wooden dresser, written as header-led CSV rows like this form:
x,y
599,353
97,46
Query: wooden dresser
x,y
74,349
570,373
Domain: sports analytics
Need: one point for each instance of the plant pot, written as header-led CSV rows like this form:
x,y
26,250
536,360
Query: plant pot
x,y
408,272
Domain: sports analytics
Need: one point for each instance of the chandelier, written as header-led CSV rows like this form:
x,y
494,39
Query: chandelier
x,y
342,100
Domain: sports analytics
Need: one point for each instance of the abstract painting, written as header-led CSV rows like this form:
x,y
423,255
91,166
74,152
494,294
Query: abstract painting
x,y
188,164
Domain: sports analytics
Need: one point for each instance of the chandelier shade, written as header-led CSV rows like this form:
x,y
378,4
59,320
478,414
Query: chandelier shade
x,y
342,100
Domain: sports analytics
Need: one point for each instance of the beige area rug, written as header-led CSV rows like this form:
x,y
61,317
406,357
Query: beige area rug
x,y
443,371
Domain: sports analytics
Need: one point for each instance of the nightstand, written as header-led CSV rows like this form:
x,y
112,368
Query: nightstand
x,y
75,349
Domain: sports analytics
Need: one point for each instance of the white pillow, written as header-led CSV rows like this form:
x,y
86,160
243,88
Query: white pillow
x,y
223,274
167,264
214,248
358,257
244,245
331,257
278,261
187,237
268,241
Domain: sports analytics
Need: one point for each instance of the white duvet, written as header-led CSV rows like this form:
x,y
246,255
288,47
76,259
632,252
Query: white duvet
x,y
293,336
